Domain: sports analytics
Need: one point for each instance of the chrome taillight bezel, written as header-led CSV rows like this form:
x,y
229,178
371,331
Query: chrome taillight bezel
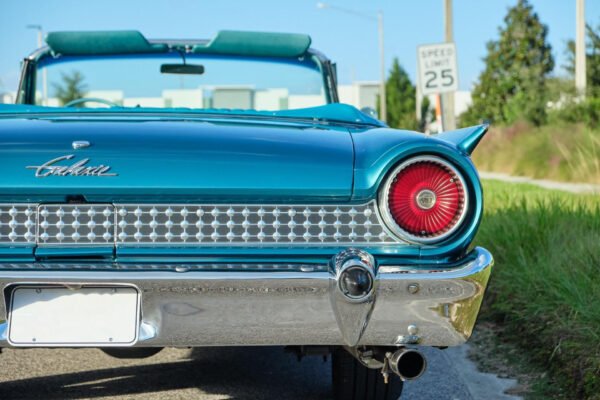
x,y
386,214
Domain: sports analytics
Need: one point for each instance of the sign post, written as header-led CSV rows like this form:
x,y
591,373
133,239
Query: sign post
x,y
437,69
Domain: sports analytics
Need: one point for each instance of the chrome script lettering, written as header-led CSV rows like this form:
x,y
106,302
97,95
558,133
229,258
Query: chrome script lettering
x,y
80,168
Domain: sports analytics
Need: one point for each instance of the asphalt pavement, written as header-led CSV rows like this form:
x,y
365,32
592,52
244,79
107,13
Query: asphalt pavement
x,y
204,374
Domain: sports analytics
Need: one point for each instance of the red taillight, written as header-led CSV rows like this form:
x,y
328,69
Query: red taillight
x,y
425,198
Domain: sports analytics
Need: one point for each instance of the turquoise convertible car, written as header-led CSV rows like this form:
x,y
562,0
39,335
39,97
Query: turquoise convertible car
x,y
160,193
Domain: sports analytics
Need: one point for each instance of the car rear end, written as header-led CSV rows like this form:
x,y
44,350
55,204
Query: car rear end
x,y
319,229
287,268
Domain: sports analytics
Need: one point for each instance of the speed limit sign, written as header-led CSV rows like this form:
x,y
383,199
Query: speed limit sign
x,y
438,72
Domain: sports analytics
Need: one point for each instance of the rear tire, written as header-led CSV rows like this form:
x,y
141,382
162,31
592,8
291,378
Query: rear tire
x,y
354,381
131,352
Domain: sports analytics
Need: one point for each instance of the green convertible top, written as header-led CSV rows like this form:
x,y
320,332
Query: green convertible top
x,y
259,44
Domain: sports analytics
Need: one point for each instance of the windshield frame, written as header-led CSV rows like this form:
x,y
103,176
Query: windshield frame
x,y
44,56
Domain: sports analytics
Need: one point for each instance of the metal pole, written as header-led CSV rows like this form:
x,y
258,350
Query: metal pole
x,y
379,19
439,113
418,95
382,95
44,72
448,98
580,57
40,43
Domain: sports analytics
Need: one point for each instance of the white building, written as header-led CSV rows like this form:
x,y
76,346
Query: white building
x,y
304,100
271,99
7,98
360,94
233,97
188,98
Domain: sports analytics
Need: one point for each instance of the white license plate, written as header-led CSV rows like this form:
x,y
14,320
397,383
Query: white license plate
x,y
86,316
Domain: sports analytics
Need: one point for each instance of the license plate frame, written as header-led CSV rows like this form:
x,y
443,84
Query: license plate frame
x,y
74,315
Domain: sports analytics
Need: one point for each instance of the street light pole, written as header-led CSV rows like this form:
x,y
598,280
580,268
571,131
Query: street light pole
x,y
580,58
449,120
380,34
382,93
40,43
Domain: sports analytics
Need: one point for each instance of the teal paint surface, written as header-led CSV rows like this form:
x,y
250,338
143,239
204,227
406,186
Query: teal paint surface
x,y
177,159
189,157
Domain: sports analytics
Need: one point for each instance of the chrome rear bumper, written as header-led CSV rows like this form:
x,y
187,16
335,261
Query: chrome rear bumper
x,y
284,305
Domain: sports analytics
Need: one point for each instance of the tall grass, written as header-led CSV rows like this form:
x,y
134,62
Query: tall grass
x,y
561,151
545,288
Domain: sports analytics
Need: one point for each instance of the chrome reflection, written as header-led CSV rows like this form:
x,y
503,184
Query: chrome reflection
x,y
352,310
288,307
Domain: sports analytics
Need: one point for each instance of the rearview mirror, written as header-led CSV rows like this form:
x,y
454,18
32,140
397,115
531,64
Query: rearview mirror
x,y
185,69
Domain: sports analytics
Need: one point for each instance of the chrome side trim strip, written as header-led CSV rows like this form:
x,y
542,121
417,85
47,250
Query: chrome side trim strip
x,y
210,267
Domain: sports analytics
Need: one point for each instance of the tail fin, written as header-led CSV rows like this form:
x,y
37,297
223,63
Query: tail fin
x,y
465,139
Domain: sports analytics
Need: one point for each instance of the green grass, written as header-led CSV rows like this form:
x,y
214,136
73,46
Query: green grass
x,y
545,288
561,151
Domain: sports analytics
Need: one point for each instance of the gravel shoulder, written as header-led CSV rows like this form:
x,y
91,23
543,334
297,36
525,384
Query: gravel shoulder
x,y
546,184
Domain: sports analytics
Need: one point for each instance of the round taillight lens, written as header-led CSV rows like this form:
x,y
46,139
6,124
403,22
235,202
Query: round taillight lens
x,y
424,199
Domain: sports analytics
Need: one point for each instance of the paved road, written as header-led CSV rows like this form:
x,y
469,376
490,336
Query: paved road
x,y
205,374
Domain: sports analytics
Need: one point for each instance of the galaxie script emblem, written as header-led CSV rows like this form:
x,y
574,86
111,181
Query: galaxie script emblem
x,y
79,168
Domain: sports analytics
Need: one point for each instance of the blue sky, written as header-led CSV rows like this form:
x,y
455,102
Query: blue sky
x,y
349,40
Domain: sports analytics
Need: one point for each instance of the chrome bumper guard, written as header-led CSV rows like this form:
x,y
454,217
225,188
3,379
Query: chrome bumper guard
x,y
214,305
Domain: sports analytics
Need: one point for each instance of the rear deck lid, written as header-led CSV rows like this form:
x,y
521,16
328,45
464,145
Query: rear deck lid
x,y
133,159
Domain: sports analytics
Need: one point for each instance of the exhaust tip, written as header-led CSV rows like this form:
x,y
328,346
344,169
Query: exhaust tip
x,y
408,364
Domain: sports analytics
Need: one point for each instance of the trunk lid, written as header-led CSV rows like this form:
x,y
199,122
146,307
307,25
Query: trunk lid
x,y
146,160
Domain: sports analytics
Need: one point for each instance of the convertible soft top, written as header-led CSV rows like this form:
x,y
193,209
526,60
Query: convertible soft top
x,y
258,44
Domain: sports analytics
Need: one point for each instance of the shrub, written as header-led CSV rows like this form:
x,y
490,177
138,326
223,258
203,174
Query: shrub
x,y
586,112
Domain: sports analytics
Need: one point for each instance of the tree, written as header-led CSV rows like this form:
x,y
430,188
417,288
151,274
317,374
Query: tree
x,y
513,83
592,60
400,99
72,87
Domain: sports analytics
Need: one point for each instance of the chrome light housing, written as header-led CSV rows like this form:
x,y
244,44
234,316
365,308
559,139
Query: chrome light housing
x,y
423,200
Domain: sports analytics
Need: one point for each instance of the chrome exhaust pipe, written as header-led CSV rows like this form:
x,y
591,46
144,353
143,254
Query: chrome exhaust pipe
x,y
408,364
